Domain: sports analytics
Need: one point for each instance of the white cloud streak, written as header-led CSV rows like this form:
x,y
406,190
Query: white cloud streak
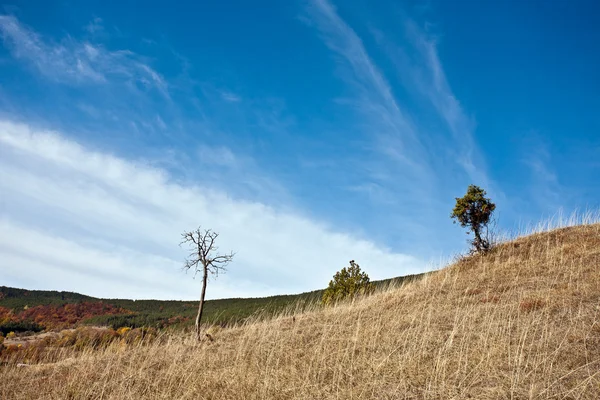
x,y
398,134
230,97
77,62
75,219
220,156
429,76
545,188
395,132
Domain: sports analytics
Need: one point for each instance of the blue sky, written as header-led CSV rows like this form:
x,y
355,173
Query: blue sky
x,y
307,133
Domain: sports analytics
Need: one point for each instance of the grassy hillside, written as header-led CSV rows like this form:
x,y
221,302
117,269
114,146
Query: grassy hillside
x,y
52,309
521,322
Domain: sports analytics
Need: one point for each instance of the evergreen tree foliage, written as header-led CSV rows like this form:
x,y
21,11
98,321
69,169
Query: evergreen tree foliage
x,y
347,283
474,210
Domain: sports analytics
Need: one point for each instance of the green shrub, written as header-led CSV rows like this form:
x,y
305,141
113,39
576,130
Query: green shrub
x,y
346,284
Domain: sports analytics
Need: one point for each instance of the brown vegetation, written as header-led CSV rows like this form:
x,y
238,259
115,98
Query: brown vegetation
x,y
519,322
55,346
60,316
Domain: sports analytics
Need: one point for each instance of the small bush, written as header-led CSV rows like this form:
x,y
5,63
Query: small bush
x,y
123,331
140,335
66,339
347,283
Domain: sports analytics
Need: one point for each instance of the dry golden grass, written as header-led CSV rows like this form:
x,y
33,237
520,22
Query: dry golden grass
x,y
522,322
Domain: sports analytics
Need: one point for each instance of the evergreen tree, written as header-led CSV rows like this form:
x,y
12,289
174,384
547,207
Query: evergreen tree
x,y
474,210
347,283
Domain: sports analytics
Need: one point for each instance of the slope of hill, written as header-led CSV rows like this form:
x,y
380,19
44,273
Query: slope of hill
x,y
521,322
56,310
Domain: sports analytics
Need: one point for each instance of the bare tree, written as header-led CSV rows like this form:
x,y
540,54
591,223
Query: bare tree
x,y
203,256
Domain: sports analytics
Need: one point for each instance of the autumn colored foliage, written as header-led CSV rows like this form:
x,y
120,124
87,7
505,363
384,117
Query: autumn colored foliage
x,y
53,317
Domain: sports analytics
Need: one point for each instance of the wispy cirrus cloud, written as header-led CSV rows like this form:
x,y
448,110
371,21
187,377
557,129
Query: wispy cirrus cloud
x,y
409,164
75,62
230,96
429,77
544,187
419,68
375,98
220,156
95,26
392,157
109,226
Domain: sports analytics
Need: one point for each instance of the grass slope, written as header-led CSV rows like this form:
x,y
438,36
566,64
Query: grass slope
x,y
519,323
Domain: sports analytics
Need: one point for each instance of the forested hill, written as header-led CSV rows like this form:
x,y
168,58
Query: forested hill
x,y
55,310
18,298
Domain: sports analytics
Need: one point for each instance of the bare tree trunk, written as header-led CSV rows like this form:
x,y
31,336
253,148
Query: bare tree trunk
x,y
478,242
481,244
203,252
201,306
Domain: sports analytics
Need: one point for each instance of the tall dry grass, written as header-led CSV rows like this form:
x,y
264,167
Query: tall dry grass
x,y
522,322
